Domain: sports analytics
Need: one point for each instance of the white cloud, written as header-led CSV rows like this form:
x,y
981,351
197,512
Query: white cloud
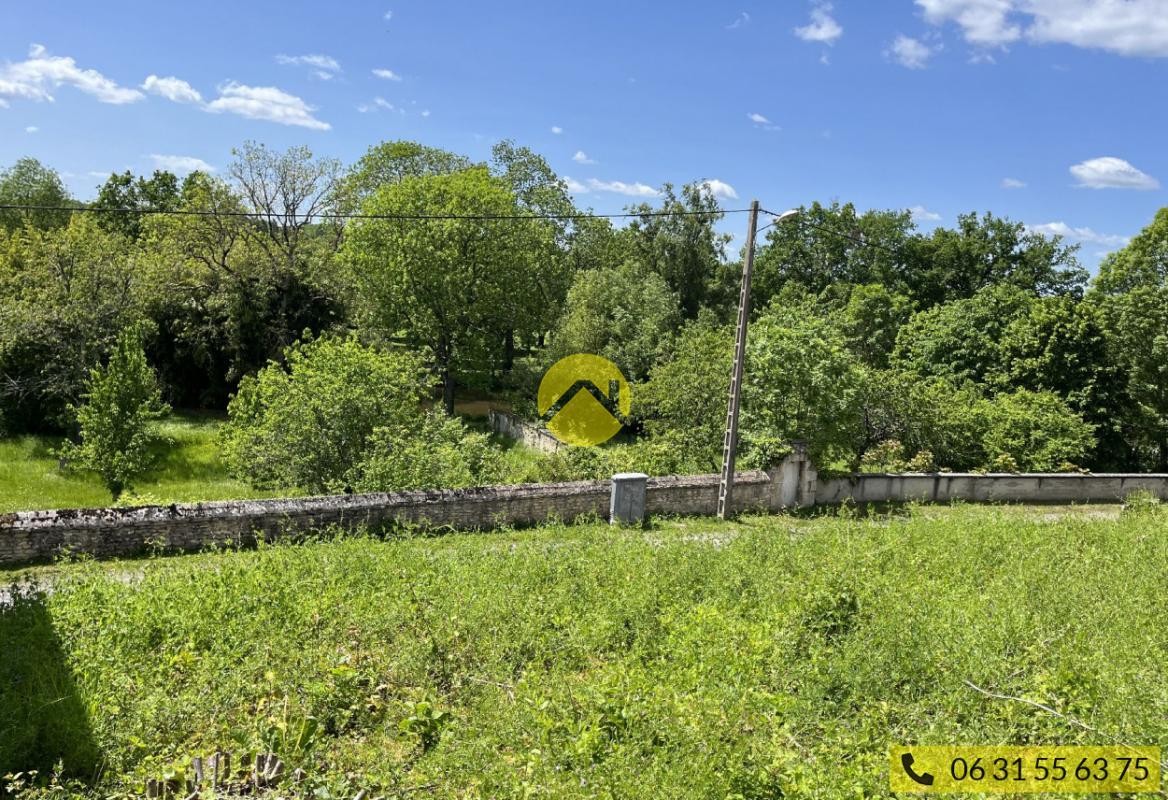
x,y
574,186
316,60
266,103
180,165
720,189
985,23
174,89
1079,234
387,74
822,28
1126,27
557,130
388,16
922,214
582,158
323,67
620,187
426,113
1013,183
758,118
31,129
35,77
741,20
910,52
1112,173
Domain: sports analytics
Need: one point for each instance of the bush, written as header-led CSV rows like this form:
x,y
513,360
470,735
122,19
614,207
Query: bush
x,y
1033,431
114,420
339,412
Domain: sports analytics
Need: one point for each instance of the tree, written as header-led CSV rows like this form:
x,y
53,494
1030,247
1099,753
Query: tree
x,y
1028,431
871,317
121,401
391,162
831,245
961,340
684,402
30,183
623,314
64,295
339,414
955,264
1143,262
801,383
159,192
456,284
679,242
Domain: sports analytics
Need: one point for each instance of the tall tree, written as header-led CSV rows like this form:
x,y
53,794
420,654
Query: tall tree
x,y
679,241
159,192
391,162
455,284
30,183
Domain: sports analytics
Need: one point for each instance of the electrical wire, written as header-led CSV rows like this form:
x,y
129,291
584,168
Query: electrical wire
x,y
339,216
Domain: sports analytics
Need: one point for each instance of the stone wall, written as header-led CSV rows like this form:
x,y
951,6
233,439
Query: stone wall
x,y
32,536
515,428
943,487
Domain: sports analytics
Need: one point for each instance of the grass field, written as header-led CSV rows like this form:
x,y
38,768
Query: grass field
x,y
187,469
773,657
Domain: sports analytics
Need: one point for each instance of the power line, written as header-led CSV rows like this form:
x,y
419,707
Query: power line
x,y
338,216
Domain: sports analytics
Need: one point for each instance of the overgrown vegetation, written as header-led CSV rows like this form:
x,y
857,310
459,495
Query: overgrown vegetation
x,y
983,346
775,657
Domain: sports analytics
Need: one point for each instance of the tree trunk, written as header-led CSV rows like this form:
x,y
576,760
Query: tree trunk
x,y
448,391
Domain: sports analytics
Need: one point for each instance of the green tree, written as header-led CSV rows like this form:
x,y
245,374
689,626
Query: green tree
x,y
455,285
64,295
678,240
624,314
830,245
684,402
1143,262
1027,431
802,383
391,162
120,402
871,316
30,183
159,192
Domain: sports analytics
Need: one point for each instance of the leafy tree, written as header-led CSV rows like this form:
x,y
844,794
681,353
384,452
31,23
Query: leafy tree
x,y
456,285
801,383
830,245
435,451
1143,262
391,162
955,264
1028,431
312,421
30,183
871,316
683,247
684,402
623,314
120,402
159,192
1137,324
64,295
960,340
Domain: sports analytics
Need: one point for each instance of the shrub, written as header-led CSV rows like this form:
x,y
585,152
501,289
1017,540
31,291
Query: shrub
x,y
339,412
1034,431
114,419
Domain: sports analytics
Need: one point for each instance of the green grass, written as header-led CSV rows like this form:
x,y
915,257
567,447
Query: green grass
x,y
187,469
775,657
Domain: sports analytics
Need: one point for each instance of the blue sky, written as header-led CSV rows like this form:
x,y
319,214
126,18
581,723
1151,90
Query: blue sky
x,y
1051,112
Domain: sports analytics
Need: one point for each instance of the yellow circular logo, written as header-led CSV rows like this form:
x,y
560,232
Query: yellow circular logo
x,y
584,399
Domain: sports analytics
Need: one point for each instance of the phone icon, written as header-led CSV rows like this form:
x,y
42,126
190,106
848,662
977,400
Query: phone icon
x,y
924,779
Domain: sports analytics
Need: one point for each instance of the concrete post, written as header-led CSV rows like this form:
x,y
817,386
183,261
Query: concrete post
x,y
627,504
796,479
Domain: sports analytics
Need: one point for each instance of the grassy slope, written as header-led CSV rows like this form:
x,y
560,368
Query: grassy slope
x,y
775,657
188,469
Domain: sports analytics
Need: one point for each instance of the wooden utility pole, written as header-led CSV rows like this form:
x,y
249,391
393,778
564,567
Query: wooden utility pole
x,y
730,443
